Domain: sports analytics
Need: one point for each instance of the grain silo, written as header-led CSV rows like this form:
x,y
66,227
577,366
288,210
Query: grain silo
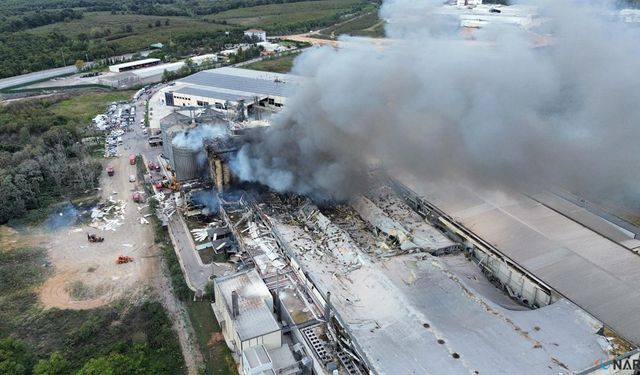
x,y
171,125
185,162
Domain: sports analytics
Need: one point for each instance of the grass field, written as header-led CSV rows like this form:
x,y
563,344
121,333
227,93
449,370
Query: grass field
x,y
80,334
369,25
141,36
83,108
210,340
277,15
279,64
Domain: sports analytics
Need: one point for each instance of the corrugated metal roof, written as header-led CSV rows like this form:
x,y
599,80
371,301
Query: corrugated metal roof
x,y
134,63
250,86
255,318
213,94
594,272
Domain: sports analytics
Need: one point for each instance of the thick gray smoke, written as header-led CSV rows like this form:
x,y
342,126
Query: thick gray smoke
x,y
496,110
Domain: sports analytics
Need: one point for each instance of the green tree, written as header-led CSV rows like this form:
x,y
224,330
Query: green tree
x,y
114,364
79,64
56,364
15,358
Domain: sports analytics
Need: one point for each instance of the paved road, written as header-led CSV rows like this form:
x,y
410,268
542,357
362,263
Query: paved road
x,y
35,76
196,274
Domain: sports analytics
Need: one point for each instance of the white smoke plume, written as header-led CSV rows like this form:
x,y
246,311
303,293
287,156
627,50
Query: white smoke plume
x,y
193,138
496,110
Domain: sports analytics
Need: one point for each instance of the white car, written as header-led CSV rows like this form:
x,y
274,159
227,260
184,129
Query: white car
x,y
132,178
144,132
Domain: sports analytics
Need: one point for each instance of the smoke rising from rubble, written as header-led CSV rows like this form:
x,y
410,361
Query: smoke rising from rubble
x,y
493,111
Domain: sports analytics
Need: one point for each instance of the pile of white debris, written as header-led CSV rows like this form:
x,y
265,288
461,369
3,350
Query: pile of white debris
x,y
108,216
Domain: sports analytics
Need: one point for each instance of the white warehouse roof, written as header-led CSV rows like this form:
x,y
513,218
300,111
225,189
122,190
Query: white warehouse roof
x,y
255,318
242,82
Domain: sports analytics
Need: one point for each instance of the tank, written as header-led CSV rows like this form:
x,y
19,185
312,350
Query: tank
x,y
185,163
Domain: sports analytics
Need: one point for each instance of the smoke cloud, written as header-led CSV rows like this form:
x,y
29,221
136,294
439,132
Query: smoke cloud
x,y
496,110
192,139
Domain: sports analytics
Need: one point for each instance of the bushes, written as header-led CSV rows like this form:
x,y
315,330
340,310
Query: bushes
x,y
41,158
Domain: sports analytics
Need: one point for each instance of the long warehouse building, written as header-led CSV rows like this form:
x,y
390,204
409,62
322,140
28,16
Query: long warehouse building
x,y
219,87
554,240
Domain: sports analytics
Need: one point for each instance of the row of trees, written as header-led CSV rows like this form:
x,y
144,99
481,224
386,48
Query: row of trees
x,y
41,158
24,52
40,18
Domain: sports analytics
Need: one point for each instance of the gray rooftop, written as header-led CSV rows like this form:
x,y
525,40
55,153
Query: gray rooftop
x,y
240,84
257,356
213,94
254,302
398,309
596,273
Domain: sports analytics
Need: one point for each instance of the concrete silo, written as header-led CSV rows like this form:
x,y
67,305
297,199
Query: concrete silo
x,y
185,163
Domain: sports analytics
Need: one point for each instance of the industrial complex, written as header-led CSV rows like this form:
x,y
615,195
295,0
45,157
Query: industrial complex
x,y
405,278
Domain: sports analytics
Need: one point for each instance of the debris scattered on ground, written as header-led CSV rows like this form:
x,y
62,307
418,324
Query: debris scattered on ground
x,y
122,259
108,216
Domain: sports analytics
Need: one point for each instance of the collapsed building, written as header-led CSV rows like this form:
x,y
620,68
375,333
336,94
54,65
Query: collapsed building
x,y
384,285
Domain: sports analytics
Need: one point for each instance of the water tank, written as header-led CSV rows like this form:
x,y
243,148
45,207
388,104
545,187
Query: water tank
x,y
185,163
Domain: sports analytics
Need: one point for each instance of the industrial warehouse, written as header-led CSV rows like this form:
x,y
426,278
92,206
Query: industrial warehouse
x,y
473,285
222,87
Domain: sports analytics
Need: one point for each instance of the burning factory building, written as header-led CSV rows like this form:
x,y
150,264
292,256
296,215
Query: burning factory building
x,y
438,260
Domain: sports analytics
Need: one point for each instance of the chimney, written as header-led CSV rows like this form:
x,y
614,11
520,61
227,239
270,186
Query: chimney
x,y
234,304
327,310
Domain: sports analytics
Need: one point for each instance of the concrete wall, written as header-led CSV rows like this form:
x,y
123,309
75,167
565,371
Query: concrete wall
x,y
186,100
226,322
271,340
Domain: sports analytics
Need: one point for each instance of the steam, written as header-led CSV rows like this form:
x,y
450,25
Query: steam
x,y
192,140
494,111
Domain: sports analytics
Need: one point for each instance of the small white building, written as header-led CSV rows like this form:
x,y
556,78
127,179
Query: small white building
x,y
244,308
260,34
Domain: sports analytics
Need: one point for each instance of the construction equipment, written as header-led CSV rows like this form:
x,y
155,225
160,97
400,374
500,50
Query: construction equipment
x,y
94,238
173,185
122,259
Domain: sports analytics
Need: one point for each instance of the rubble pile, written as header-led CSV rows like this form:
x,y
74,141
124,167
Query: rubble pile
x,y
108,216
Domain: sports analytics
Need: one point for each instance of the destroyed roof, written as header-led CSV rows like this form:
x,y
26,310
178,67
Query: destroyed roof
x,y
255,318
222,144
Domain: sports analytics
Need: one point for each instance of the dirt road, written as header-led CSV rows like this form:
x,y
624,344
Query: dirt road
x,y
86,275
